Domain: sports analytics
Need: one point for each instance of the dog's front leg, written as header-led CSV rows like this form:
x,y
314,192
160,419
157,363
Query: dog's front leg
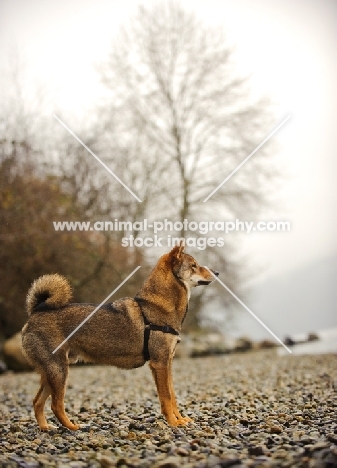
x,y
163,379
186,419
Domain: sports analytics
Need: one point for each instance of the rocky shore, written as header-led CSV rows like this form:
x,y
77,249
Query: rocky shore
x,y
249,410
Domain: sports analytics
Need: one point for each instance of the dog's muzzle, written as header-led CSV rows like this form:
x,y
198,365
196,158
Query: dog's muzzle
x,y
205,283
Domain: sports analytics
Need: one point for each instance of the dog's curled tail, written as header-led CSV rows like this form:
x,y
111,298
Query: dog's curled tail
x,y
52,291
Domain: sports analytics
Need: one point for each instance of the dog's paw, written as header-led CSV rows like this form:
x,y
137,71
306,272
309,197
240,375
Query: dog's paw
x,y
70,427
187,419
48,427
181,422
74,427
178,422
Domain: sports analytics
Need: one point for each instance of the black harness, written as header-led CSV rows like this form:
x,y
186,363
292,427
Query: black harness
x,y
151,326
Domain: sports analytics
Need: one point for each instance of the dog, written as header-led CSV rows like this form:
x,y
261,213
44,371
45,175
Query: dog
x,y
125,333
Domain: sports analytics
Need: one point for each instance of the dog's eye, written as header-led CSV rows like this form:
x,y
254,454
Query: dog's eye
x,y
194,265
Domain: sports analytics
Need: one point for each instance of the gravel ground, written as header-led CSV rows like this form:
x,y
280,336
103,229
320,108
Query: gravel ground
x,y
249,410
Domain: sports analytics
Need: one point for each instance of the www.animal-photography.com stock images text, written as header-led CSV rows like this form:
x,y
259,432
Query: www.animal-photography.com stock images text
x,y
168,234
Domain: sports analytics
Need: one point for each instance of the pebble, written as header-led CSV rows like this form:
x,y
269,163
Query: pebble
x,y
249,410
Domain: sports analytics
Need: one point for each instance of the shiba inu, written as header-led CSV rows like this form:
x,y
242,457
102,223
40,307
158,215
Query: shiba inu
x,y
125,333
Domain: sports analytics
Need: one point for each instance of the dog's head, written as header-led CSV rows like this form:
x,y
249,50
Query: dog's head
x,y
187,269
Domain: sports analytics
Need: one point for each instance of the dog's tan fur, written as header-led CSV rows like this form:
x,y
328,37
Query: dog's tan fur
x,y
113,335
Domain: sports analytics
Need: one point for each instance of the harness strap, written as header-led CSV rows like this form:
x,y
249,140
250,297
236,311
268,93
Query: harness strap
x,y
147,330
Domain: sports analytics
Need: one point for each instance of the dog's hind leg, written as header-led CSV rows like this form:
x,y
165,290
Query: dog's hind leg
x,y
39,402
57,379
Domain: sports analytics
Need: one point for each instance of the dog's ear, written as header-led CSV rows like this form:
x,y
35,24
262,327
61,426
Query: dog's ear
x,y
178,250
181,249
176,257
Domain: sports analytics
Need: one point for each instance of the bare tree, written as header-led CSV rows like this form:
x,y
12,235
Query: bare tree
x,y
176,78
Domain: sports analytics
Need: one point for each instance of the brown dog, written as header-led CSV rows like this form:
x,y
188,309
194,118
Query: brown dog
x,y
125,333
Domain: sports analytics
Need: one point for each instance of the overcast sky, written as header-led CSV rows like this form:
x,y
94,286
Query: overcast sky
x,y
289,48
